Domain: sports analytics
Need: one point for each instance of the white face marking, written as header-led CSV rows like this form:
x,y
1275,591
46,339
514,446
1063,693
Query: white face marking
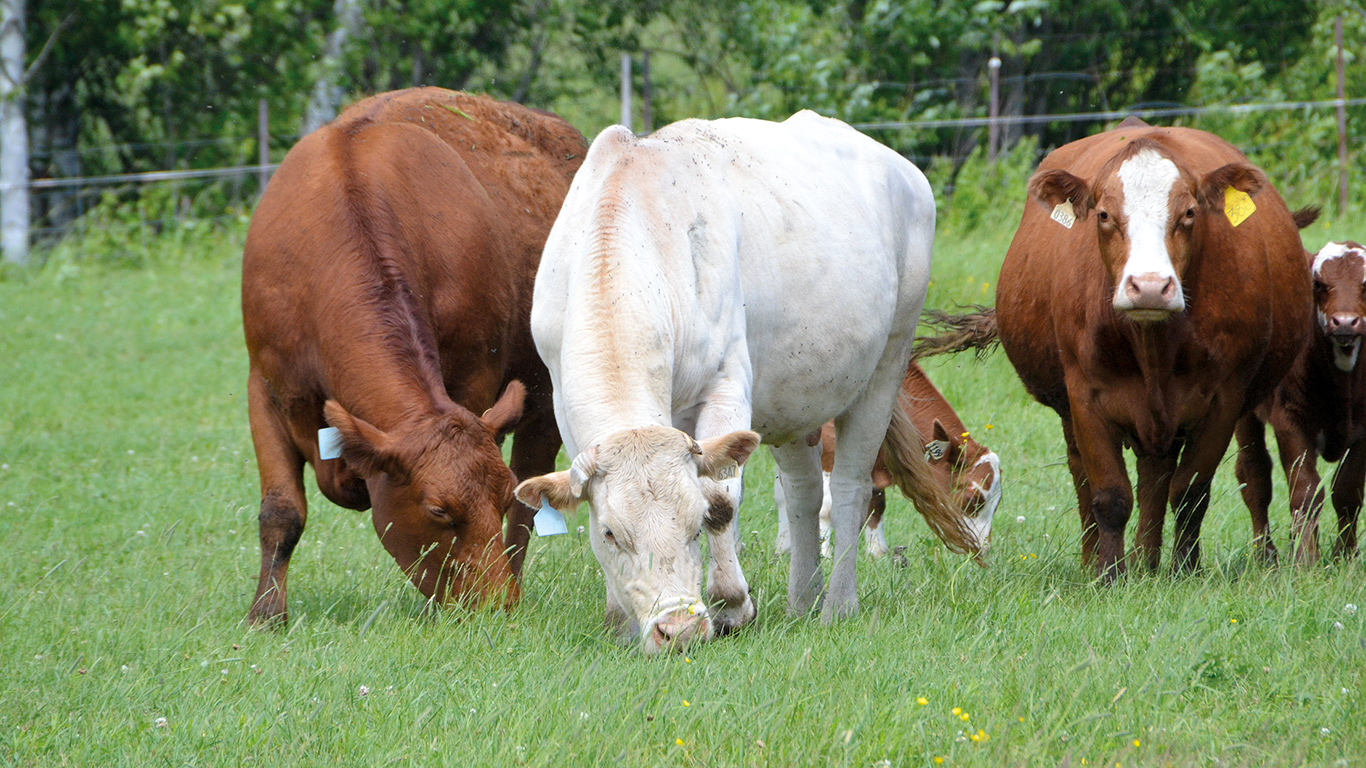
x,y
981,524
1147,180
1328,253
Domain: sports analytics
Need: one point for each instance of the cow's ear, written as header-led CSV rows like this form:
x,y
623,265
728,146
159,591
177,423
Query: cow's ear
x,y
364,446
508,410
553,488
1244,177
722,455
1057,186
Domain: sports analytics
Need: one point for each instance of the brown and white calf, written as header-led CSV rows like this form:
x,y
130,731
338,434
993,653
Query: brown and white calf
x,y
1318,411
966,469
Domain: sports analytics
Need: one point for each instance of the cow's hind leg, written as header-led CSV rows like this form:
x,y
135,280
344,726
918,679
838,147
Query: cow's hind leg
x,y
1154,483
1253,470
1300,461
799,471
1347,499
283,509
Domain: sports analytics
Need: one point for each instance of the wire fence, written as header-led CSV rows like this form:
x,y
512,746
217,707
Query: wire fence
x,y
72,205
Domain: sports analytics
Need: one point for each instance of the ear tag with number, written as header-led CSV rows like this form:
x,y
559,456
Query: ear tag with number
x,y
935,450
549,521
1238,205
1064,214
727,472
329,443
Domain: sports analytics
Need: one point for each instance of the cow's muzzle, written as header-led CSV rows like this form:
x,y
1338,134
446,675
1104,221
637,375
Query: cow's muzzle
x,y
1345,330
1150,297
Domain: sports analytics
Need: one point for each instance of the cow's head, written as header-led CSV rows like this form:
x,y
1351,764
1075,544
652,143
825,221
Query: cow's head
x,y
1150,214
1340,299
970,472
439,490
651,491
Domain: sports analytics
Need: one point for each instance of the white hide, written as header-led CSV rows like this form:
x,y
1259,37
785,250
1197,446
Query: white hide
x,y
728,275
1147,180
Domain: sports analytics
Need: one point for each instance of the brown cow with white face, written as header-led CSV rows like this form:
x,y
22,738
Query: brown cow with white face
x,y
1153,295
1318,411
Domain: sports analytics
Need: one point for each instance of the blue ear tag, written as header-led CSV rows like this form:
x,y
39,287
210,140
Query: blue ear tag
x,y
329,443
549,521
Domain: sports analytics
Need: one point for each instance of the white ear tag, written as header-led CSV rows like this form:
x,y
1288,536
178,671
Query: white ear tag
x,y
935,450
549,521
1063,214
329,443
727,472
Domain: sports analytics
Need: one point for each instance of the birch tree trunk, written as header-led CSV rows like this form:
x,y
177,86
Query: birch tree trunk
x,y
327,95
14,205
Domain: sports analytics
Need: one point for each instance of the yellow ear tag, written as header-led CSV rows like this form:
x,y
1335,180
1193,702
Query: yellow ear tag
x,y
1238,205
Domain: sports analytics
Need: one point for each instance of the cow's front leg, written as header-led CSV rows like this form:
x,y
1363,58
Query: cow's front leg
x,y
1100,454
283,509
727,590
1347,498
726,410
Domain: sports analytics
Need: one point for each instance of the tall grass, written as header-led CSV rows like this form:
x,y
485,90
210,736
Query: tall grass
x,y
127,528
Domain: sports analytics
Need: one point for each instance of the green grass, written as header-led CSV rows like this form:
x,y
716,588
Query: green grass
x,y
127,529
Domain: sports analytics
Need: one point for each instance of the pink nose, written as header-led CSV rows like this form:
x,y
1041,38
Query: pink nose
x,y
1150,291
678,629
1344,323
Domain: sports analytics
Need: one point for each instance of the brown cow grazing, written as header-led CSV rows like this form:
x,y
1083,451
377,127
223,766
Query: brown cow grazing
x,y
386,289
1318,410
962,466
1154,296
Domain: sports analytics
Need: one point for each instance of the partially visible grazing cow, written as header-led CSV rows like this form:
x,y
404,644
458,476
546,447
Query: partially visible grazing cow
x,y
1319,410
710,279
386,289
963,467
1154,295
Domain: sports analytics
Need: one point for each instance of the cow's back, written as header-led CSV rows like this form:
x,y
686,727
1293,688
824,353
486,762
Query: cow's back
x,y
426,199
743,216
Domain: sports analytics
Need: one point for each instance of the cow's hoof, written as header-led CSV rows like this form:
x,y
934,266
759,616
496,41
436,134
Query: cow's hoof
x,y
266,615
727,619
835,610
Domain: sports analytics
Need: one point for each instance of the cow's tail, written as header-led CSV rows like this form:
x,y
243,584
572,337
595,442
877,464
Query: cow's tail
x,y
1306,216
904,453
974,331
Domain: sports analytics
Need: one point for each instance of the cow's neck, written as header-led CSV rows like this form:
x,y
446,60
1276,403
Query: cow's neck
x,y
617,373
1154,347
386,367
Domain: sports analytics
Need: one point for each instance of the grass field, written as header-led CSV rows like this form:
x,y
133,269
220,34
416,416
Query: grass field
x,y
128,532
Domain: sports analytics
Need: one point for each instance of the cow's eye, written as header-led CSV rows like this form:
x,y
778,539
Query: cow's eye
x,y
1190,213
1103,215
1319,287
607,534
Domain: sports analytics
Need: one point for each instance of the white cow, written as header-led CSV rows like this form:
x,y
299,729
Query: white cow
x,y
713,278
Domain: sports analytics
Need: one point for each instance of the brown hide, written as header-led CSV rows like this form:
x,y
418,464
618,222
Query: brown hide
x,y
1171,390
388,274
1319,410
955,469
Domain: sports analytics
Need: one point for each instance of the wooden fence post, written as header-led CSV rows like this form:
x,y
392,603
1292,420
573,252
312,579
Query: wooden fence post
x,y
1342,125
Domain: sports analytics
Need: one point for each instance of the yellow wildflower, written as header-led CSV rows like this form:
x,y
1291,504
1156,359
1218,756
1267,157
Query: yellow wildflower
x,y
922,701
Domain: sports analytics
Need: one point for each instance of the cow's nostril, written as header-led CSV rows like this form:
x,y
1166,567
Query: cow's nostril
x,y
1169,288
